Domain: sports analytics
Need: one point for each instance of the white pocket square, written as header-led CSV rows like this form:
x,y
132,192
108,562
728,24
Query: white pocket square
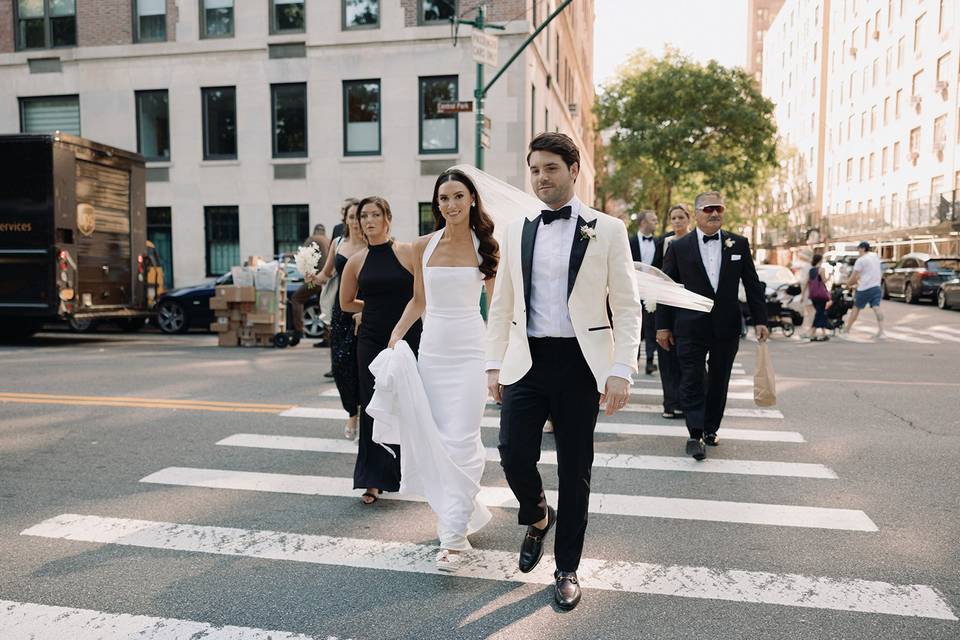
x,y
735,256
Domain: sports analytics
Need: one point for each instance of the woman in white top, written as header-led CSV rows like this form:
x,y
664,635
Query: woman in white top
x,y
452,265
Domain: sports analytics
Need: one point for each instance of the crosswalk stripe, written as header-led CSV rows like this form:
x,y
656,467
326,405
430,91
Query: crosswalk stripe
x,y
493,422
735,381
639,391
730,412
608,504
733,585
600,460
896,335
932,334
27,620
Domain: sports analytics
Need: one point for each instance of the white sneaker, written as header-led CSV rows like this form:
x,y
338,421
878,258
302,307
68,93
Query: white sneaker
x,y
548,427
448,561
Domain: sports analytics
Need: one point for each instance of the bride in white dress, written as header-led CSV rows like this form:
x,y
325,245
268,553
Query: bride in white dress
x,y
454,263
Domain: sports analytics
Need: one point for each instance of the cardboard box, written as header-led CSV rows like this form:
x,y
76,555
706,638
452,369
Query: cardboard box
x,y
236,294
260,318
264,329
228,339
219,304
266,302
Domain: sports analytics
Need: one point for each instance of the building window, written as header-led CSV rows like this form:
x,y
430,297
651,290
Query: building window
x,y
914,143
49,114
918,32
536,13
886,111
153,125
361,117
546,119
870,165
361,14
943,68
896,156
289,108
849,169
287,16
862,172
150,20
222,229
291,225
940,130
436,11
901,48
43,24
945,17
426,222
216,18
160,233
219,123
438,132
884,158
898,101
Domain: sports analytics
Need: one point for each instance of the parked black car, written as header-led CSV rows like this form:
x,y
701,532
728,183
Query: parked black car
x,y
918,275
948,295
181,309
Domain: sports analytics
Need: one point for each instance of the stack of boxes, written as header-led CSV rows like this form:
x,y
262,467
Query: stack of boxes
x,y
251,311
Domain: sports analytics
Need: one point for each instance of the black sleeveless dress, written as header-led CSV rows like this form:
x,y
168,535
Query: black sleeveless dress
x,y
385,287
343,349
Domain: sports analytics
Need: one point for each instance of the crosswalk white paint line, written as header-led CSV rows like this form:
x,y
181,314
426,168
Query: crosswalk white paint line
x,y
601,503
937,335
730,412
894,334
732,585
493,422
740,381
637,391
30,621
600,460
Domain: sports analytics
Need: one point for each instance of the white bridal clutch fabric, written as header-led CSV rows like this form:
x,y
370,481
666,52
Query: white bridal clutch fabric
x,y
401,415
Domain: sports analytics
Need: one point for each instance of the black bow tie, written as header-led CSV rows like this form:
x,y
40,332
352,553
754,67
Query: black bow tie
x,y
715,236
549,216
645,238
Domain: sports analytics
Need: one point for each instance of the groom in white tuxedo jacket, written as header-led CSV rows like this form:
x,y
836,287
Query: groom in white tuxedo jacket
x,y
552,349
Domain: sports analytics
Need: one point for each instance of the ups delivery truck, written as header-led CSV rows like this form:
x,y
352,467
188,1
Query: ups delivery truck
x,y
72,233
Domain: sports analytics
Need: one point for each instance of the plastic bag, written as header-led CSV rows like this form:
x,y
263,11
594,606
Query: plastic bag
x,y
764,379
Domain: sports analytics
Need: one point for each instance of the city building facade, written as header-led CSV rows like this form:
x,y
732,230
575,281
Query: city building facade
x,y
760,15
258,118
888,119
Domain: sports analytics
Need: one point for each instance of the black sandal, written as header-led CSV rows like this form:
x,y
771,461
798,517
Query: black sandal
x,y
367,494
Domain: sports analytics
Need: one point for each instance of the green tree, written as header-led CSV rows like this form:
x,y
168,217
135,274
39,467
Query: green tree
x,y
678,127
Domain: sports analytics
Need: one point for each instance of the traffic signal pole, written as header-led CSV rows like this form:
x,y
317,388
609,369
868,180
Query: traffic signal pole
x,y
480,93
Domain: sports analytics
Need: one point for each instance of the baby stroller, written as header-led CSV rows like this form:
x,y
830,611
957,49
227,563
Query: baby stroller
x,y
778,316
837,311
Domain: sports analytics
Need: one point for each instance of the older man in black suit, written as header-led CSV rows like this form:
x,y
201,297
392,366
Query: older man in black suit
x,y
712,263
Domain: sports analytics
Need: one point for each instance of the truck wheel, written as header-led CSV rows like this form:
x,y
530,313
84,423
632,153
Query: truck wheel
x,y
132,325
171,317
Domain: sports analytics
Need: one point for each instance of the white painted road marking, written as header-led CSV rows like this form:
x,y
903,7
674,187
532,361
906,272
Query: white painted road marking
x,y
600,460
638,391
602,503
865,596
29,621
493,422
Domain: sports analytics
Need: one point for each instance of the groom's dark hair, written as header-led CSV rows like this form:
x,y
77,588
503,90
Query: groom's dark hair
x,y
558,143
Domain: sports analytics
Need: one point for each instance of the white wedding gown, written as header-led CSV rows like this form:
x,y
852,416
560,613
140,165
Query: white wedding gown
x,y
451,364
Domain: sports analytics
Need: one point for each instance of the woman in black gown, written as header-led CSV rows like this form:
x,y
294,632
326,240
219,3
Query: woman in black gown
x,y
376,285
343,347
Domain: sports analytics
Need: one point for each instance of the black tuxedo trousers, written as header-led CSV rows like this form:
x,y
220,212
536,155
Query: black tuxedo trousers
x,y
561,386
705,365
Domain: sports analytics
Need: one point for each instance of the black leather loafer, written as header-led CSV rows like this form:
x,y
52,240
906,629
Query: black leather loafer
x,y
696,449
711,439
566,589
531,549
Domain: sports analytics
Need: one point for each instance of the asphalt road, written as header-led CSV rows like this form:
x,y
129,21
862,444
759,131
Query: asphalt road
x,y
868,443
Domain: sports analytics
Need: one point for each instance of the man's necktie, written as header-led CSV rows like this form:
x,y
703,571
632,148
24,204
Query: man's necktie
x,y
549,216
707,239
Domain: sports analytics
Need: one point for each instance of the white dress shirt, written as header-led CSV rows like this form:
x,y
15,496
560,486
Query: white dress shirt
x,y
648,248
549,313
711,253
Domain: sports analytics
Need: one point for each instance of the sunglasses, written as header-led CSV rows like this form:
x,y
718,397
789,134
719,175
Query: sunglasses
x,y
712,209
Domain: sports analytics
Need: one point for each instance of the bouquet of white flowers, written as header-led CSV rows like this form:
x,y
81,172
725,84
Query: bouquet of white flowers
x,y
308,263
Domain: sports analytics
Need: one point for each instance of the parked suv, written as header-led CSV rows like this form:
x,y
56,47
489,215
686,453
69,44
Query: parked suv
x,y
918,275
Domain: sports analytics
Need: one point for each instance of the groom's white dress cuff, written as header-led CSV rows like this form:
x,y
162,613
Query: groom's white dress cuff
x,y
493,365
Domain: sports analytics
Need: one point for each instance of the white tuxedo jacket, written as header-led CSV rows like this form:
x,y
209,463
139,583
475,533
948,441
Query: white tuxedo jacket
x,y
601,269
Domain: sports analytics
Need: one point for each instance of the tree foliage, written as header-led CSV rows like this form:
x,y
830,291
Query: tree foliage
x,y
678,126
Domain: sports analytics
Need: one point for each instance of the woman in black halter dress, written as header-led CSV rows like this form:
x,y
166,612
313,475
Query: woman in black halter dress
x,y
377,284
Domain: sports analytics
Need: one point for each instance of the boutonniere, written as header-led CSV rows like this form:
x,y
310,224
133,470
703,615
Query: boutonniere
x,y
728,243
587,232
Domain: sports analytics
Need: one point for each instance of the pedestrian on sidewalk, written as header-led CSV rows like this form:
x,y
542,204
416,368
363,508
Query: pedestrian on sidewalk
x,y
711,263
648,249
679,216
815,289
306,290
343,341
801,267
866,276
377,284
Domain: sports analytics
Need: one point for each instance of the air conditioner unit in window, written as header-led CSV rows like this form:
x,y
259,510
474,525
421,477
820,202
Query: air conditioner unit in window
x,y
939,146
573,108
853,51
916,101
914,156
941,86
876,34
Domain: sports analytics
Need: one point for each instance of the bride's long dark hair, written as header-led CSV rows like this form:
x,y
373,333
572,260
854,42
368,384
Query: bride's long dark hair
x,y
480,222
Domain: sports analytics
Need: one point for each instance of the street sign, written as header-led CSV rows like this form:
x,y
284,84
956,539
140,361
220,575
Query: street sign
x,y
484,139
454,106
484,48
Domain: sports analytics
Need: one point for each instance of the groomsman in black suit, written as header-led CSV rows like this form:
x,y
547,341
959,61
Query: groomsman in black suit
x,y
648,249
712,263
